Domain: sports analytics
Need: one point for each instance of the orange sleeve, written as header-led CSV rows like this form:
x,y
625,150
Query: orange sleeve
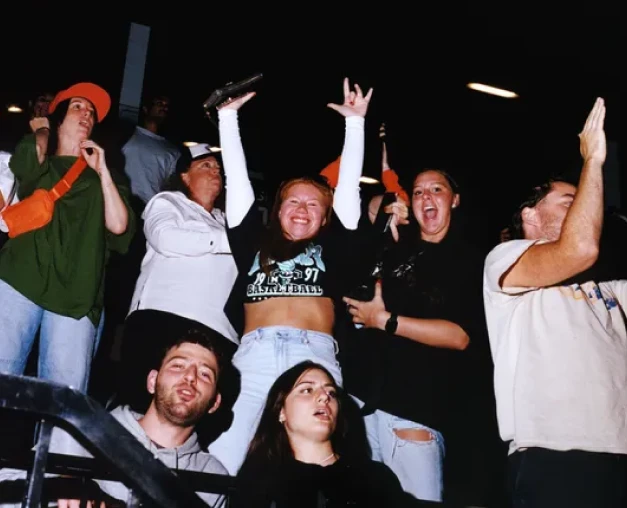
x,y
331,172
390,179
390,182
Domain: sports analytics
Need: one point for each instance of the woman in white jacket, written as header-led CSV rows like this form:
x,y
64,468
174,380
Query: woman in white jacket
x,y
188,270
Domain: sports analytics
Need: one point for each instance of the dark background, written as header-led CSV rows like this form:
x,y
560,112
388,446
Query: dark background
x,y
418,63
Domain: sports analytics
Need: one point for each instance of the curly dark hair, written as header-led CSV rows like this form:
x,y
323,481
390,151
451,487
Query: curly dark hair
x,y
206,338
537,194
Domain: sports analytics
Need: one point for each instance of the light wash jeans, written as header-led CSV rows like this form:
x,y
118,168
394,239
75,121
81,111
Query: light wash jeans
x,y
66,347
263,355
417,464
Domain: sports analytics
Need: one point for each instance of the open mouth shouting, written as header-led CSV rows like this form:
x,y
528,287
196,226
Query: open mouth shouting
x,y
186,393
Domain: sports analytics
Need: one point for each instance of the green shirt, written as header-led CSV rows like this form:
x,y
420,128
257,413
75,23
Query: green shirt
x,y
61,266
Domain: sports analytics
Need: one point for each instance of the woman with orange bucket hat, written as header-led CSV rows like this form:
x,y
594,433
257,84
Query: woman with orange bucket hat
x,y
52,267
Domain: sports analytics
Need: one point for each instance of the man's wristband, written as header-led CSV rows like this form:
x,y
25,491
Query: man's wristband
x,y
391,324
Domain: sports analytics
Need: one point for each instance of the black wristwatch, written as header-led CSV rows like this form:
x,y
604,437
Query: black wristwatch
x,y
392,324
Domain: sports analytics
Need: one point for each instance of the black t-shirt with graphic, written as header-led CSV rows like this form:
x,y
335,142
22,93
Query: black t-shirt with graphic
x,y
318,271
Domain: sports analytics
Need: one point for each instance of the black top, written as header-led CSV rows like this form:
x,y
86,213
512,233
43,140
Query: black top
x,y
448,390
316,271
403,377
355,483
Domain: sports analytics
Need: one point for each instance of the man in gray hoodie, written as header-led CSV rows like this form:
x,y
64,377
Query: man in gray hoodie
x,y
184,389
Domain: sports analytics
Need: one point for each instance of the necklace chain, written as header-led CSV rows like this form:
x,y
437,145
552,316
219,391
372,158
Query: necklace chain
x,y
328,458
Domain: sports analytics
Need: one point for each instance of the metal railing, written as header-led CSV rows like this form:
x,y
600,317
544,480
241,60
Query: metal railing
x,y
118,455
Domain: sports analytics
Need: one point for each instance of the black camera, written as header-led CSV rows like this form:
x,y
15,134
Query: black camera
x,y
363,292
231,90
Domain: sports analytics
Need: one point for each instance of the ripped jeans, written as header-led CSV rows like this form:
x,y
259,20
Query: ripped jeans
x,y
417,464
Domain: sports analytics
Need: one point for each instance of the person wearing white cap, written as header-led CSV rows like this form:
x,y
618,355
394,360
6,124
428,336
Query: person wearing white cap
x,y
188,270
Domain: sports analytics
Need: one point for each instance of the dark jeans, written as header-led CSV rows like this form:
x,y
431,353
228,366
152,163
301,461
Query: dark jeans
x,y
541,478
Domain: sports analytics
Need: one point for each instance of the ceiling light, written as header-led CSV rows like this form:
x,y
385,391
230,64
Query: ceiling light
x,y
190,143
368,180
492,90
14,108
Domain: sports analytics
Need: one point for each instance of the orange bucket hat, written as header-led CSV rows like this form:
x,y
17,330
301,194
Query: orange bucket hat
x,y
93,93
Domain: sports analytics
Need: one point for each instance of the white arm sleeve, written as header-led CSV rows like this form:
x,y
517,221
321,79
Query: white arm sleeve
x,y
346,200
240,195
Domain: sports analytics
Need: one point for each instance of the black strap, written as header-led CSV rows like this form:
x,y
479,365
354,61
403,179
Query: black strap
x,y
322,500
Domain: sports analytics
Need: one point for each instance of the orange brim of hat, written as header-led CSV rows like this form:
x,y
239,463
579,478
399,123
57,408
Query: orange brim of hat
x,y
93,93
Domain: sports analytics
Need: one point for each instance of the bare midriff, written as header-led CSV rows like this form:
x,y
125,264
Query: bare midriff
x,y
304,312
